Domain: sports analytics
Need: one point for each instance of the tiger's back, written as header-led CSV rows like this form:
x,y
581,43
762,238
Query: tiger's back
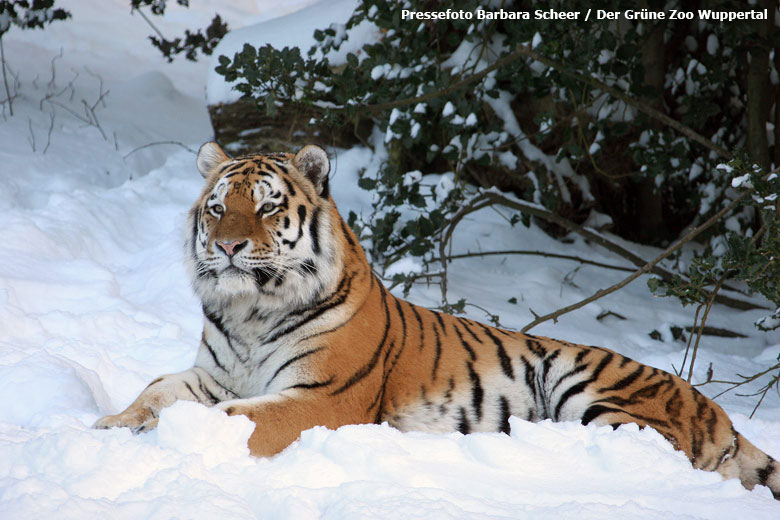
x,y
299,332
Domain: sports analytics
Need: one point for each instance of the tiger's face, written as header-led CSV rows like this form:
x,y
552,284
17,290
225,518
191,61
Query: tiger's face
x,y
257,228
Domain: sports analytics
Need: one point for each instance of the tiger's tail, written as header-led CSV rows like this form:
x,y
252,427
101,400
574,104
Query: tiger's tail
x,y
751,465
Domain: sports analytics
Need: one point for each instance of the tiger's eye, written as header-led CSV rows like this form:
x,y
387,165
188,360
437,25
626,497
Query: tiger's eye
x,y
267,207
217,209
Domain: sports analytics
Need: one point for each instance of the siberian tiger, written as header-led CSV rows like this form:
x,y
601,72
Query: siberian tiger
x,y
299,332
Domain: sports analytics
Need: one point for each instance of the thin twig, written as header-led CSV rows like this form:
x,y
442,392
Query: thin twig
x,y
148,21
90,110
51,85
690,338
5,79
51,129
539,253
475,204
736,384
147,145
31,137
645,269
703,322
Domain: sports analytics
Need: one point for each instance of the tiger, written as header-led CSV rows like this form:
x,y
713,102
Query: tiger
x,y
298,332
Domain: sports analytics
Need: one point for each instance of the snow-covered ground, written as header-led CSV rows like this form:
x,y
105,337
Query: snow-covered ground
x,y
94,303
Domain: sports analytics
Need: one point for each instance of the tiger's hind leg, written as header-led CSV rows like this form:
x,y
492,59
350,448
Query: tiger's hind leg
x,y
708,439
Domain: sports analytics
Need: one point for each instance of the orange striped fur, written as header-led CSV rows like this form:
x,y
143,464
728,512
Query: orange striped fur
x,y
299,332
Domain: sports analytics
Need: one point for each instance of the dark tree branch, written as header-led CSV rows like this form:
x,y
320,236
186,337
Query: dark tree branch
x,y
538,211
645,269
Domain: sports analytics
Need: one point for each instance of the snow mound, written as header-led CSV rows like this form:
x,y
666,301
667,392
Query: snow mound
x,y
191,428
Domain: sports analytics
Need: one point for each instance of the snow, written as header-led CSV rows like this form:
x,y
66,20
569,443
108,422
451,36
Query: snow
x,y
95,303
292,30
712,44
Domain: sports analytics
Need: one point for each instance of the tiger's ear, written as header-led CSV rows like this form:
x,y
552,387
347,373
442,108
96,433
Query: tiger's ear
x,y
210,156
312,161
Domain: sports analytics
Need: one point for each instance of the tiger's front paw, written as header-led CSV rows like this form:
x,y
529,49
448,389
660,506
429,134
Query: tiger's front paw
x,y
137,422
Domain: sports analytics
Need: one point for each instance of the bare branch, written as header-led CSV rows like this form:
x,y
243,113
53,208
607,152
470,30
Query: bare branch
x,y
539,211
51,129
8,96
31,137
538,253
703,322
51,85
645,269
156,143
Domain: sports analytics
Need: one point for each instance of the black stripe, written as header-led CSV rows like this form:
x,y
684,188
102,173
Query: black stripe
x,y
344,284
363,371
284,169
626,381
711,422
332,329
674,406
401,315
190,390
569,393
217,322
547,364
309,386
223,387
535,346
466,326
419,323
391,365
596,410
325,187
195,224
463,422
652,421
571,373
764,473
291,361
347,234
437,315
336,298
159,379
289,185
477,393
437,354
503,357
579,387
463,343
503,422
606,360
213,354
301,218
529,376
314,231
205,390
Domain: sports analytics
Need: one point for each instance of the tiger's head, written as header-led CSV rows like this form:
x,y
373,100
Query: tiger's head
x,y
260,226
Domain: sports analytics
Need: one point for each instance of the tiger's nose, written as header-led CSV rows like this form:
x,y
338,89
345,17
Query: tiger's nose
x,y
231,248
